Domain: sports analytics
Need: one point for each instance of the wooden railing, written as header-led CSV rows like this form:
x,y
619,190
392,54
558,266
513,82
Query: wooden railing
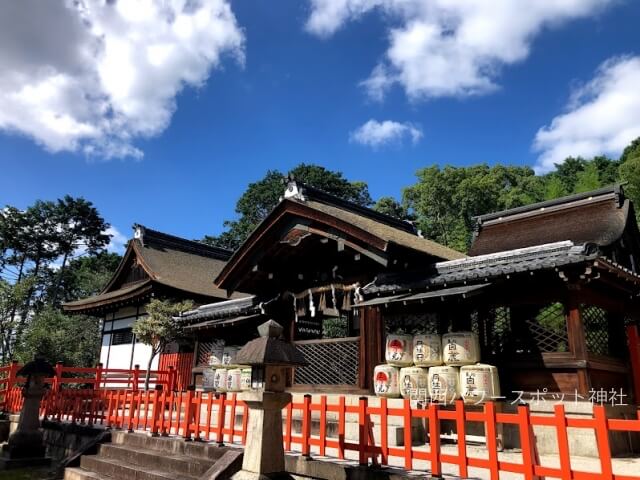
x,y
81,379
222,418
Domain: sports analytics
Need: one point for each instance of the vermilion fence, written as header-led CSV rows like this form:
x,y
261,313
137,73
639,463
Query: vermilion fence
x,y
82,379
182,363
223,418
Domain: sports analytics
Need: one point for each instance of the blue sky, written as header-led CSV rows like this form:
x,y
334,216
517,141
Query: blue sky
x,y
285,82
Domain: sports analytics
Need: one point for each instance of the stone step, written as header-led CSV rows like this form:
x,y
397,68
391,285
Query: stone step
x,y
195,466
76,473
120,470
167,445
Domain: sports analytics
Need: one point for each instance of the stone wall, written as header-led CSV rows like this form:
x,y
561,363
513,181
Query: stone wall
x,y
62,439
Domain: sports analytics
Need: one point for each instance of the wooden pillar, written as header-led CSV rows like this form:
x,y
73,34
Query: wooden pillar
x,y
372,337
577,342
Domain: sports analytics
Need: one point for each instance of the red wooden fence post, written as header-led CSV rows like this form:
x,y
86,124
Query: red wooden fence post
x,y
98,379
563,441
155,414
634,355
363,432
10,382
527,442
188,413
434,440
57,381
406,422
222,410
136,377
306,425
171,379
462,439
323,424
492,439
602,438
13,370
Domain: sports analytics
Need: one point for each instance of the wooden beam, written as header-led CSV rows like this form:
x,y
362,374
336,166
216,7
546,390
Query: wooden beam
x,y
371,345
577,341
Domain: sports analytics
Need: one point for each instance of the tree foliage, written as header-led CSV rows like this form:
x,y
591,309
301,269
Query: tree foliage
x,y
445,200
50,252
262,196
73,340
160,327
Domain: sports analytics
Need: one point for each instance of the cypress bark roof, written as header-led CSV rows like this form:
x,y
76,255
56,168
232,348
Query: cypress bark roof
x,y
598,217
165,260
308,212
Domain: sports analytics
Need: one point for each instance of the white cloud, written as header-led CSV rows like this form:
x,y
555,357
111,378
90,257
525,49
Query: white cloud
x,y
441,48
94,75
118,241
376,134
602,116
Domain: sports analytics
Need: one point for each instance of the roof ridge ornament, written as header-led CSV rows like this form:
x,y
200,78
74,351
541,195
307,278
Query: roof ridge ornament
x,y
138,233
294,190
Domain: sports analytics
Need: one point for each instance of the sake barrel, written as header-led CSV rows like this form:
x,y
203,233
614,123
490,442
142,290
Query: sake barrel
x,y
229,355
208,379
460,348
427,350
413,382
398,351
385,378
479,383
245,379
443,384
220,380
234,380
215,355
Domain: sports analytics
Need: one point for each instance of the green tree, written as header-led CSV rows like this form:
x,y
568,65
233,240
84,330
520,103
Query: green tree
x,y
390,206
160,327
262,196
79,227
631,151
11,297
84,276
588,178
446,200
73,340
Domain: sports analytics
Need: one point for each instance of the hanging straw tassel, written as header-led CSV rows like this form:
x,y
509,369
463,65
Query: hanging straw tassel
x,y
312,307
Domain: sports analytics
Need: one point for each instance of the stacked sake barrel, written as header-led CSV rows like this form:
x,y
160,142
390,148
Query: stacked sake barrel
x,y
228,376
445,368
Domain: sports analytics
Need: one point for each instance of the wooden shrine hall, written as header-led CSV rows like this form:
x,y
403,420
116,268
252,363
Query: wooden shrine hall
x,y
548,289
305,265
155,265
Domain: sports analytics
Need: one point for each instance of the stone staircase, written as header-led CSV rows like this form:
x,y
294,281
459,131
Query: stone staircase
x,y
137,456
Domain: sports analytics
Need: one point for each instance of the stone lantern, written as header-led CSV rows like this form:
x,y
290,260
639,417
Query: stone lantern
x,y
25,445
270,359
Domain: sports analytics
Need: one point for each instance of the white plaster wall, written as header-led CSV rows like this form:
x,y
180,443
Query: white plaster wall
x,y
141,356
104,349
120,356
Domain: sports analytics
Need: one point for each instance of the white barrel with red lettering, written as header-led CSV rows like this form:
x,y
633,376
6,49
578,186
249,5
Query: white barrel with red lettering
x,y
460,348
234,380
427,350
443,384
220,380
385,381
399,351
479,383
413,382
